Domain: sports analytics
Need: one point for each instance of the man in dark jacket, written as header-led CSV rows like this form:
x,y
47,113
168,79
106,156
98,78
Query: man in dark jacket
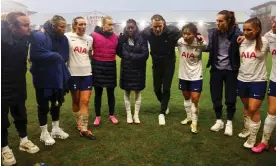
x,y
162,39
15,30
49,53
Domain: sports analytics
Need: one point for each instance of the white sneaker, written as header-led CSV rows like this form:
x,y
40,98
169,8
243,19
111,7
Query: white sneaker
x,y
8,158
251,140
217,126
249,143
136,119
161,118
59,133
167,111
28,146
186,121
194,129
245,131
129,118
228,129
46,138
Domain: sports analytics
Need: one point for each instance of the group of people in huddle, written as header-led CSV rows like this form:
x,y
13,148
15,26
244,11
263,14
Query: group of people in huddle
x,y
75,62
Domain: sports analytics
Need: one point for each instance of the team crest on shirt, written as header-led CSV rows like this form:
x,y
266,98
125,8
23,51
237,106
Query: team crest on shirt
x,y
248,55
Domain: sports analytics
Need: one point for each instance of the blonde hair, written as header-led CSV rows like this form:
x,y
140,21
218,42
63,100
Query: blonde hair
x,y
103,21
56,19
4,16
75,22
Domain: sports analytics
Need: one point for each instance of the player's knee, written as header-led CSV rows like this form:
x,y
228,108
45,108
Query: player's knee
x,y
76,101
272,110
84,101
245,106
253,109
194,99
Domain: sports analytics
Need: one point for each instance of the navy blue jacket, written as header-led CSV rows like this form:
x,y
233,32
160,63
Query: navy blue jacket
x,y
133,63
13,66
49,54
234,55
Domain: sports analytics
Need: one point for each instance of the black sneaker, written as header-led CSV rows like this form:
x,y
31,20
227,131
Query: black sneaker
x,y
88,134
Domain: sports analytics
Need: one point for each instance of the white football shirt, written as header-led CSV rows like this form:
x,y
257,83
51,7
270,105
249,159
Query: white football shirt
x,y
79,61
272,45
253,63
190,63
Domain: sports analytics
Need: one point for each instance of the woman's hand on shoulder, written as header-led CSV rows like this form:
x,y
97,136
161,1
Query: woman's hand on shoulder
x,y
240,39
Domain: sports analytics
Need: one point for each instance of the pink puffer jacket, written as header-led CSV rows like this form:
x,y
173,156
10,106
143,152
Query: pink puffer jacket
x,y
104,47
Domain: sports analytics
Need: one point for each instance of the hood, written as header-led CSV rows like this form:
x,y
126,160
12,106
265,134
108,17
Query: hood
x,y
55,39
48,28
99,30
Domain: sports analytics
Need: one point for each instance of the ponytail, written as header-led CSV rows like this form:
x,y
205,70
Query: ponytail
x,y
257,24
229,17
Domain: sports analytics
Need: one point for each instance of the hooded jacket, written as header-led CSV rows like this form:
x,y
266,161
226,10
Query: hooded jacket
x,y
134,61
13,66
48,55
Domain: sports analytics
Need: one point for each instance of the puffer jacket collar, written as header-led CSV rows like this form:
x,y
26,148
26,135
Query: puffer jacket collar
x,y
99,30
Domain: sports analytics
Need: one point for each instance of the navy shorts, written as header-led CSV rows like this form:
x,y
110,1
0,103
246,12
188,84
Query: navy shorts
x,y
255,90
272,89
80,83
190,86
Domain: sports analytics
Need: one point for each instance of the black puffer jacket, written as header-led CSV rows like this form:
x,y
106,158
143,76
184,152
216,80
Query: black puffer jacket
x,y
13,66
104,72
133,64
162,46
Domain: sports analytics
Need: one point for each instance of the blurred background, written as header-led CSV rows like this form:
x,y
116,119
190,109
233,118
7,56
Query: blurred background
x,y
177,12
